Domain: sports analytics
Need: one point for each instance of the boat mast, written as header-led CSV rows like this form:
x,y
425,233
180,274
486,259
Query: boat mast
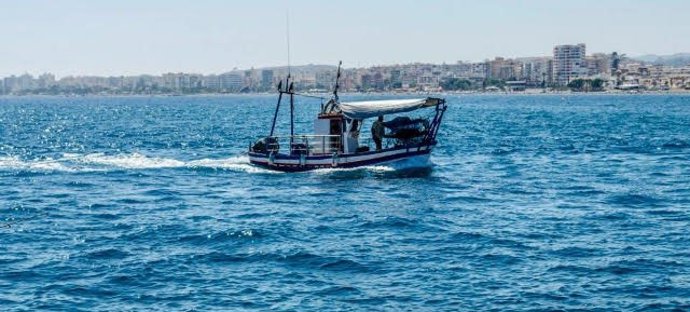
x,y
292,110
289,88
275,116
290,85
337,84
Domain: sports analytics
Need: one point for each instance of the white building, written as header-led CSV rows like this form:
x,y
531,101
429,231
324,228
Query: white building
x,y
568,63
231,81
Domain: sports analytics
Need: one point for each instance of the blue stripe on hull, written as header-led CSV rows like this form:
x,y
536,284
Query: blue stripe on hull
x,y
369,162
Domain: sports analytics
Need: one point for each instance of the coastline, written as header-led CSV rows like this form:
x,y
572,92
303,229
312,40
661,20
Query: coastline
x,y
528,92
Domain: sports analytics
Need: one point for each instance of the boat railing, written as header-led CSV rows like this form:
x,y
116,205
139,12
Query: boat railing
x,y
305,144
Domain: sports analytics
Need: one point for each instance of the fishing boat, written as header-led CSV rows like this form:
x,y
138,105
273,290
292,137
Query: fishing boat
x,y
335,142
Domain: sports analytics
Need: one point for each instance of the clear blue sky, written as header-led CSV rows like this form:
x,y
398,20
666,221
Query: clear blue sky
x,y
69,37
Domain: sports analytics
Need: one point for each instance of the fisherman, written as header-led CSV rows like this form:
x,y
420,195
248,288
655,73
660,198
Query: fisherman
x,y
377,131
354,130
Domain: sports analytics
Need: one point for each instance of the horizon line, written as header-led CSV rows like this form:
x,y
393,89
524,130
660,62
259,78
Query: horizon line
x,y
237,69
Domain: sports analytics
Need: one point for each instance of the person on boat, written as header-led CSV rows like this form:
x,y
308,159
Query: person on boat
x,y
377,132
354,130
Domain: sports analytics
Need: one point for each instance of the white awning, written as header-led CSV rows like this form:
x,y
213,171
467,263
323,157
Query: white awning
x,y
368,109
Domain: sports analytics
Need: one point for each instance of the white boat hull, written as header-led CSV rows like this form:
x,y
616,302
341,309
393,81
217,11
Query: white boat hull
x,y
417,156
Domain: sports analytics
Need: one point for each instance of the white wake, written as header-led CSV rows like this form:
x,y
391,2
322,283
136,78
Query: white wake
x,y
70,162
96,162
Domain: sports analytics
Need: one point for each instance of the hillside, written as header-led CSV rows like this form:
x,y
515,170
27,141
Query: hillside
x,y
678,59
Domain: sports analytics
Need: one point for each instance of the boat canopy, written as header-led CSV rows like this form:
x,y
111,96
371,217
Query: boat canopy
x,y
368,109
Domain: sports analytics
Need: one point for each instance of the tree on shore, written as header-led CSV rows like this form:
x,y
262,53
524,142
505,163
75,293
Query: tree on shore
x,y
455,84
491,82
587,85
616,60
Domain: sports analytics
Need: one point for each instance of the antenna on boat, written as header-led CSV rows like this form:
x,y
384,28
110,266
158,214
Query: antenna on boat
x,y
289,88
287,29
290,85
337,84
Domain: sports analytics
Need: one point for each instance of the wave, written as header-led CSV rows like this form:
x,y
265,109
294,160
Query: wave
x,y
96,162
102,162
130,161
380,168
140,161
46,164
235,163
413,163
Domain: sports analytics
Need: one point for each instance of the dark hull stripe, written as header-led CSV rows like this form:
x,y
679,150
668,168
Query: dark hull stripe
x,y
368,162
321,157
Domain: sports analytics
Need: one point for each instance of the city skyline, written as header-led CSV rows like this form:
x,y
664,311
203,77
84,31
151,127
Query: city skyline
x,y
78,38
569,67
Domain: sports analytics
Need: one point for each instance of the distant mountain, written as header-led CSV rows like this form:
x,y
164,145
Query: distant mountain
x,y
310,68
678,59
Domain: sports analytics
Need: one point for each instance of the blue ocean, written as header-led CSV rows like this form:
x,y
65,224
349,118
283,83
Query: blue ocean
x,y
532,203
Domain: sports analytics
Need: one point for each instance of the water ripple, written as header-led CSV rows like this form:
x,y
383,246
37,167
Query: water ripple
x,y
532,203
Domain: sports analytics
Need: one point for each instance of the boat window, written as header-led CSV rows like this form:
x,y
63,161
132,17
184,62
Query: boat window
x,y
336,129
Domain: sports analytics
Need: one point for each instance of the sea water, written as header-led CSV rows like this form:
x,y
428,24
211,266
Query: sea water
x,y
545,202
